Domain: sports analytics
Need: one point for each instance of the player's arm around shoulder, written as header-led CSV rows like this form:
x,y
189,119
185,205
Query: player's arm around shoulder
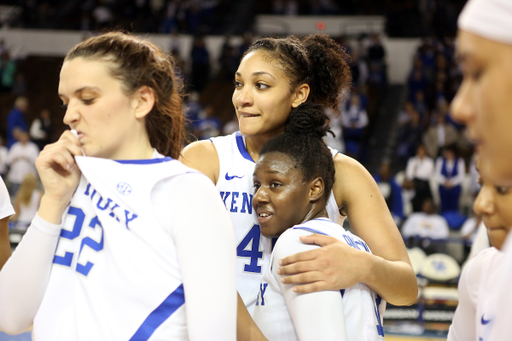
x,y
312,314
202,156
357,193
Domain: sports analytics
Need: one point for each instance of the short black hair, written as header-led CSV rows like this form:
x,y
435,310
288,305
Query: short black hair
x,y
303,142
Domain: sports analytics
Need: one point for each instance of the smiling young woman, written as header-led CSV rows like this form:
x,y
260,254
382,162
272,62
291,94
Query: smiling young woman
x,y
293,179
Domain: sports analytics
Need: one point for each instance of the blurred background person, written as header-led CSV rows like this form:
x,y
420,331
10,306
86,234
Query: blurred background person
x,y
26,202
21,159
41,129
16,119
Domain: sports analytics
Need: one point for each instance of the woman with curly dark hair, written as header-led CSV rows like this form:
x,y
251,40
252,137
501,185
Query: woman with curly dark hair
x,y
275,76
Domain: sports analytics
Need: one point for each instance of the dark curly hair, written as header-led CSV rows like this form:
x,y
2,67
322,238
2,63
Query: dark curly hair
x,y
316,60
303,142
136,63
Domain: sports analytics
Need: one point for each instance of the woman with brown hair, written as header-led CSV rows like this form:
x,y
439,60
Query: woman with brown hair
x,y
117,250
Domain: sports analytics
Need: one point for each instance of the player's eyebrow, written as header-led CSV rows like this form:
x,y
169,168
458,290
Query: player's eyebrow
x,y
272,171
82,89
258,73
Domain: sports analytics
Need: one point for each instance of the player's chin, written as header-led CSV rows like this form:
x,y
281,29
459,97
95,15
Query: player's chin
x,y
497,236
268,230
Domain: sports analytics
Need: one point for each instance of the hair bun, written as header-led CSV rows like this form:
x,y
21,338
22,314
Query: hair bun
x,y
309,120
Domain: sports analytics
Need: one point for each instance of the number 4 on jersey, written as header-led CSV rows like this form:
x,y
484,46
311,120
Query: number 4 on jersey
x,y
249,247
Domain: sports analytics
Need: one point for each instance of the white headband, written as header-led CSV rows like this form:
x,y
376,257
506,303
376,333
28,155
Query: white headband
x,y
491,19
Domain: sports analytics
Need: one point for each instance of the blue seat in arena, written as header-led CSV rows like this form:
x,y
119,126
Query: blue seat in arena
x,y
454,218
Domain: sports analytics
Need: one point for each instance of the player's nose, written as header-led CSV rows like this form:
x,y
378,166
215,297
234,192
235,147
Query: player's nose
x,y
484,203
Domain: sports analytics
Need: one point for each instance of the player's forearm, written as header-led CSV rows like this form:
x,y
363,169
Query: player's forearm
x,y
24,277
5,245
394,281
246,328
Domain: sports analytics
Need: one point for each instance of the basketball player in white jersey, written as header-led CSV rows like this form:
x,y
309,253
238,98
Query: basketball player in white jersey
x,y
275,76
473,319
117,250
483,103
293,180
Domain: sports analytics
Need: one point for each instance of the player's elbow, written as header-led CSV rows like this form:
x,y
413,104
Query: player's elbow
x,y
13,327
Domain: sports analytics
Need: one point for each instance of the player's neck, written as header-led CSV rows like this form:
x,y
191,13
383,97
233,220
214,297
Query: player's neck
x,y
253,144
317,210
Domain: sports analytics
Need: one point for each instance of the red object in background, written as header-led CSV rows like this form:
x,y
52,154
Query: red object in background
x,y
320,25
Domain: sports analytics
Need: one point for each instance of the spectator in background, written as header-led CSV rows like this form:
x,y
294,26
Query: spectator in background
x,y
376,52
231,126
19,87
359,69
41,129
426,54
21,159
200,63
246,42
418,173
417,80
278,7
26,202
16,119
102,17
450,171
439,135
409,137
354,119
405,115
192,107
291,7
7,72
208,124
3,158
228,60
391,192
421,107
427,227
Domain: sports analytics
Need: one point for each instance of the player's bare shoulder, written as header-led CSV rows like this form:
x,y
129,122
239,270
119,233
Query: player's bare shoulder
x,y
203,156
351,177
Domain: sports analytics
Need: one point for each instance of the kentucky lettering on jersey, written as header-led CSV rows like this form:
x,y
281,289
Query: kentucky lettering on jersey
x,y
115,210
237,201
85,293
235,186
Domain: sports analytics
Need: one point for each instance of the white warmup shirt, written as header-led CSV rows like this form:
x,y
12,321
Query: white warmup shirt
x,y
425,226
28,212
146,252
351,314
236,168
6,209
21,159
474,317
501,299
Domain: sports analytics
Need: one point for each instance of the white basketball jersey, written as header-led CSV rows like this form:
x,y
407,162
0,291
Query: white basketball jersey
x,y
115,274
235,184
362,308
487,293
